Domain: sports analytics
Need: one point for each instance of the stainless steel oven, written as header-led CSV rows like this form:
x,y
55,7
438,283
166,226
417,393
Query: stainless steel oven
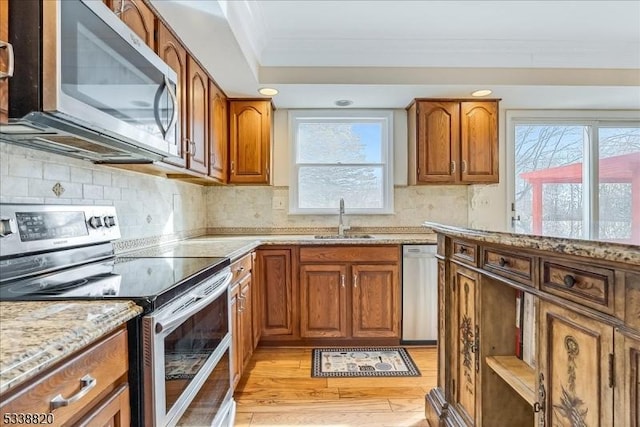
x,y
184,342
179,350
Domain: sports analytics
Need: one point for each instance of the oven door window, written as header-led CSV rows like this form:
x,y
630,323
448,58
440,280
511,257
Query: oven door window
x,y
190,345
215,392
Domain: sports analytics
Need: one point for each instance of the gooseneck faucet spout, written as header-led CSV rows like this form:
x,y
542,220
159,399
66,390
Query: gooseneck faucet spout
x,y
341,226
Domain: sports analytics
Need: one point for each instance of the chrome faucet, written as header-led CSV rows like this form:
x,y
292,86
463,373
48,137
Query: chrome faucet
x,y
341,226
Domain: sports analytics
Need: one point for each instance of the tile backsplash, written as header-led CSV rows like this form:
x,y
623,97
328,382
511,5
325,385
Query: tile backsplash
x,y
147,206
267,207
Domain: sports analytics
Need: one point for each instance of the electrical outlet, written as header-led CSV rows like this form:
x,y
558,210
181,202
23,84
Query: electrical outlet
x,y
278,203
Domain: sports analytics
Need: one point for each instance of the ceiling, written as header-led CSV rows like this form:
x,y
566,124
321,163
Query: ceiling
x,y
382,54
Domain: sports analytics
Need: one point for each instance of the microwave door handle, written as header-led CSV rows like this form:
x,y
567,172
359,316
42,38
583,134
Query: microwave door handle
x,y
174,99
156,106
181,316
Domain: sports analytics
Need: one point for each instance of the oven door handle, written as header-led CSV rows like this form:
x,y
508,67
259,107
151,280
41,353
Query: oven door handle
x,y
199,301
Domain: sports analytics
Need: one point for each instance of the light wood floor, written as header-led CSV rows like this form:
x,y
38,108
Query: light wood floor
x,y
277,390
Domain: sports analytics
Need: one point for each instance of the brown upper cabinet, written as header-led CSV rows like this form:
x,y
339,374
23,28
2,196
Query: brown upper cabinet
x,y
218,134
453,141
4,61
250,141
175,55
138,16
197,146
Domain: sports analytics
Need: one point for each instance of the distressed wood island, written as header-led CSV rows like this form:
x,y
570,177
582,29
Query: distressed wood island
x,y
583,340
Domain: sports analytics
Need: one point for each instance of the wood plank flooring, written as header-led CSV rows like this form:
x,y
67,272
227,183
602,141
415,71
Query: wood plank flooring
x,y
277,390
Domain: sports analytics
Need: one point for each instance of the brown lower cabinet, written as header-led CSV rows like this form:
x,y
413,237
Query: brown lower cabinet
x,y
241,301
4,60
275,266
106,402
329,293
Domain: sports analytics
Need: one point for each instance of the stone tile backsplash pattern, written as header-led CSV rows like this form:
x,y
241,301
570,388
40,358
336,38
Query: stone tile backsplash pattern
x,y
28,176
183,210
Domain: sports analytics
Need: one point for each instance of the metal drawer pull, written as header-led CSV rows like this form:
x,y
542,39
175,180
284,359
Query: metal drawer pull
x,y
502,262
569,281
88,382
462,250
342,280
355,280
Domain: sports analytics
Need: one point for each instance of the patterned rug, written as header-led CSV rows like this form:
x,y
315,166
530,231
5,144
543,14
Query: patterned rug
x,y
362,362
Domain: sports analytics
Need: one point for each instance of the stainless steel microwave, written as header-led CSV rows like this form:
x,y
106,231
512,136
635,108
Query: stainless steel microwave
x,y
85,85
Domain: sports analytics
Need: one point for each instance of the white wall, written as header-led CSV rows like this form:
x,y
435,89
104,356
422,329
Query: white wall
x,y
147,206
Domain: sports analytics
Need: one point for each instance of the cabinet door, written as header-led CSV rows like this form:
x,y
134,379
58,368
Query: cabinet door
x,y
323,296
438,141
175,55
138,16
236,332
115,410
464,332
218,115
250,142
479,142
376,301
245,320
575,354
627,381
278,293
198,114
4,61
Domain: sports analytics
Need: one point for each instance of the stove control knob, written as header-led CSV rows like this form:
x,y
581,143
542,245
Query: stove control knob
x,y
109,221
95,222
6,227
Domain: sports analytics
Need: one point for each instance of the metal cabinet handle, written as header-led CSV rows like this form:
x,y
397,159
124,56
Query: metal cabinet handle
x,y
355,280
462,250
464,166
10,60
502,262
233,166
88,382
453,166
342,280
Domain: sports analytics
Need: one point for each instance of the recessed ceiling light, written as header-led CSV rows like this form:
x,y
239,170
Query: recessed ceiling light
x,y
343,102
268,91
482,92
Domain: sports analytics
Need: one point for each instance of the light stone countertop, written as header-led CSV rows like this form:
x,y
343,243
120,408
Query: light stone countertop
x,y
234,247
616,252
36,335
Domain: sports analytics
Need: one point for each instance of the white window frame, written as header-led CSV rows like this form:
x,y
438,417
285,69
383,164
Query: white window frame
x,y
384,117
593,118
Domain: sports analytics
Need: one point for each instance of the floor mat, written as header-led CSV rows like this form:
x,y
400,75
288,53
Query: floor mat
x,y
362,362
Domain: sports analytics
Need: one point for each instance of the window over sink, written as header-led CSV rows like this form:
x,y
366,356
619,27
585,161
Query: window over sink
x,y
341,154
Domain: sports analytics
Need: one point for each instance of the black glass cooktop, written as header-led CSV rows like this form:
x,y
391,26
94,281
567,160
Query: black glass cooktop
x,y
150,282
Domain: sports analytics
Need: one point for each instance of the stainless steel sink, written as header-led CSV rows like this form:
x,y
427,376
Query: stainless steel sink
x,y
346,236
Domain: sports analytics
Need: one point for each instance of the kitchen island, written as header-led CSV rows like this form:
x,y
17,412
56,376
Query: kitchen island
x,y
535,330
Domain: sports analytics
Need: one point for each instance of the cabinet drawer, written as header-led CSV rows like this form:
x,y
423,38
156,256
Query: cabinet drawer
x,y
465,252
241,267
350,254
92,373
590,286
516,267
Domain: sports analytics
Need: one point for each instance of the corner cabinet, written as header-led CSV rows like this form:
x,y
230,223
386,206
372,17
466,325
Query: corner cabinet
x,y
534,336
453,141
250,141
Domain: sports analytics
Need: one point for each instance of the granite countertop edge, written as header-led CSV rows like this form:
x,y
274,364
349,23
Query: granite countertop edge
x,y
32,340
615,252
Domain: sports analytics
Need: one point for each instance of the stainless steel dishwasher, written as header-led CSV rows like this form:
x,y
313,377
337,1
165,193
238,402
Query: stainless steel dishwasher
x,y
419,294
